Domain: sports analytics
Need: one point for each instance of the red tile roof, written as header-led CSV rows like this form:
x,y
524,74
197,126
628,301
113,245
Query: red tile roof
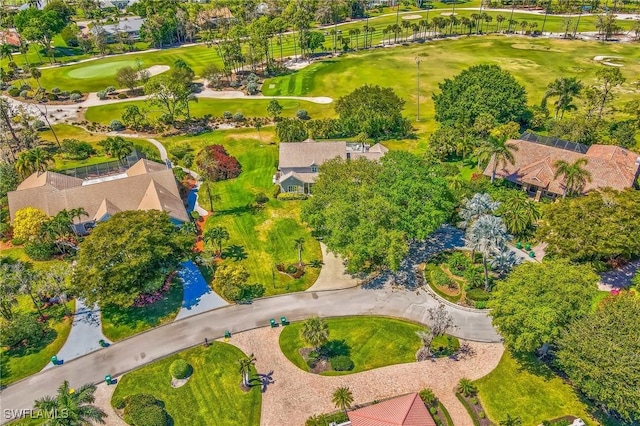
x,y
10,37
609,165
407,410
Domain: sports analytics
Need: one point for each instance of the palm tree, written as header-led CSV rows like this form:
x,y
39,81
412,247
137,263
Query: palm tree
x,y
575,176
245,369
511,421
299,245
6,51
504,260
519,213
117,147
36,74
496,150
487,235
217,234
39,159
342,398
565,89
466,387
478,205
499,20
315,332
75,403
23,164
78,213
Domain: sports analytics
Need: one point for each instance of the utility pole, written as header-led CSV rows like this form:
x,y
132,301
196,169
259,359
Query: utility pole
x,y
418,60
395,30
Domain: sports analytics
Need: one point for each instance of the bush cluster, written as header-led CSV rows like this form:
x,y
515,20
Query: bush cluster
x,y
145,410
39,250
180,369
341,363
441,279
288,196
458,263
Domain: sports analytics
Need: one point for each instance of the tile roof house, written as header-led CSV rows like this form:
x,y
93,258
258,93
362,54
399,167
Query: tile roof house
x,y
534,167
129,26
145,186
299,161
407,410
10,37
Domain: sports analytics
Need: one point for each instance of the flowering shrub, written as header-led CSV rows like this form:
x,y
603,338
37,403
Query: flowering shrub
x,y
216,164
145,299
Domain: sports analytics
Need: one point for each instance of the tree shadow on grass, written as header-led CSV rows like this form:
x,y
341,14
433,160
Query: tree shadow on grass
x,y
533,365
139,319
235,211
31,348
234,252
335,348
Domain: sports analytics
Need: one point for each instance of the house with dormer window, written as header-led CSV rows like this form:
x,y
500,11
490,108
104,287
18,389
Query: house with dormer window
x,y
299,161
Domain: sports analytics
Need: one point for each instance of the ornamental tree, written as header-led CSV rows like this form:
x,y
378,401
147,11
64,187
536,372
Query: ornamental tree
x,y
27,223
129,254
599,353
533,306
215,163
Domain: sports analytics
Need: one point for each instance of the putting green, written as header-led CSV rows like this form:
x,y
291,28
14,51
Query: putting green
x,y
107,69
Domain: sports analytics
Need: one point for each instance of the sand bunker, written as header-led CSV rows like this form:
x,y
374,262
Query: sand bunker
x,y
411,17
606,60
158,69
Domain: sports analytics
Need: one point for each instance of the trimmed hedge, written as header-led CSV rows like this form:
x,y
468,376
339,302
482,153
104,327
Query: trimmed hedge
x,y
39,250
180,369
144,410
478,295
341,363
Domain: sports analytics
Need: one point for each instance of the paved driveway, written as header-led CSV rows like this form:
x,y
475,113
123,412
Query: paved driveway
x,y
157,343
198,296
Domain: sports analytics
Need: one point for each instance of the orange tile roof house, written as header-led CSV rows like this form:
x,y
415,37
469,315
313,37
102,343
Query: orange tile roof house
x,y
144,186
407,410
299,161
534,166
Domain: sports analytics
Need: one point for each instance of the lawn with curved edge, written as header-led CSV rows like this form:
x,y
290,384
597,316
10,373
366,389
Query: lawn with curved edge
x,y
100,70
20,362
119,323
212,396
527,389
374,341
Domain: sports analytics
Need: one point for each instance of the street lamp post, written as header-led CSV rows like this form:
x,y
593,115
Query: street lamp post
x,y
418,60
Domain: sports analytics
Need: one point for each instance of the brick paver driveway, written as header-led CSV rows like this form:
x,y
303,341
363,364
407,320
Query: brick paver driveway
x,y
295,395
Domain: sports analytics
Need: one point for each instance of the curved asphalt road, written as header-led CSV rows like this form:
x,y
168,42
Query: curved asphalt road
x,y
162,341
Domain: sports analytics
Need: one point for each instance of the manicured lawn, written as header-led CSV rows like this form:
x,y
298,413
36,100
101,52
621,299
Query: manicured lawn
x,y
212,396
534,63
533,393
101,70
259,238
374,342
66,131
21,362
119,323
103,114
17,253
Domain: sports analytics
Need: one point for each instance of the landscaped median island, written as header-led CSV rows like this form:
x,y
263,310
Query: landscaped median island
x,y
212,394
455,277
356,344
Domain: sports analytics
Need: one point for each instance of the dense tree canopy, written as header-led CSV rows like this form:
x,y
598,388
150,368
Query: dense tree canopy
x,y
600,353
129,254
537,301
482,90
373,110
600,226
366,211
27,223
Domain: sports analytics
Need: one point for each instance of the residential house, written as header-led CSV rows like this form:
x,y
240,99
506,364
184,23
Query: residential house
x,y
145,186
129,26
10,37
534,167
299,161
406,410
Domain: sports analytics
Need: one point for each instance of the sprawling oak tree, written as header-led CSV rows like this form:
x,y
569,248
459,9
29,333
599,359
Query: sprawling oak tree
x,y
129,254
537,301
